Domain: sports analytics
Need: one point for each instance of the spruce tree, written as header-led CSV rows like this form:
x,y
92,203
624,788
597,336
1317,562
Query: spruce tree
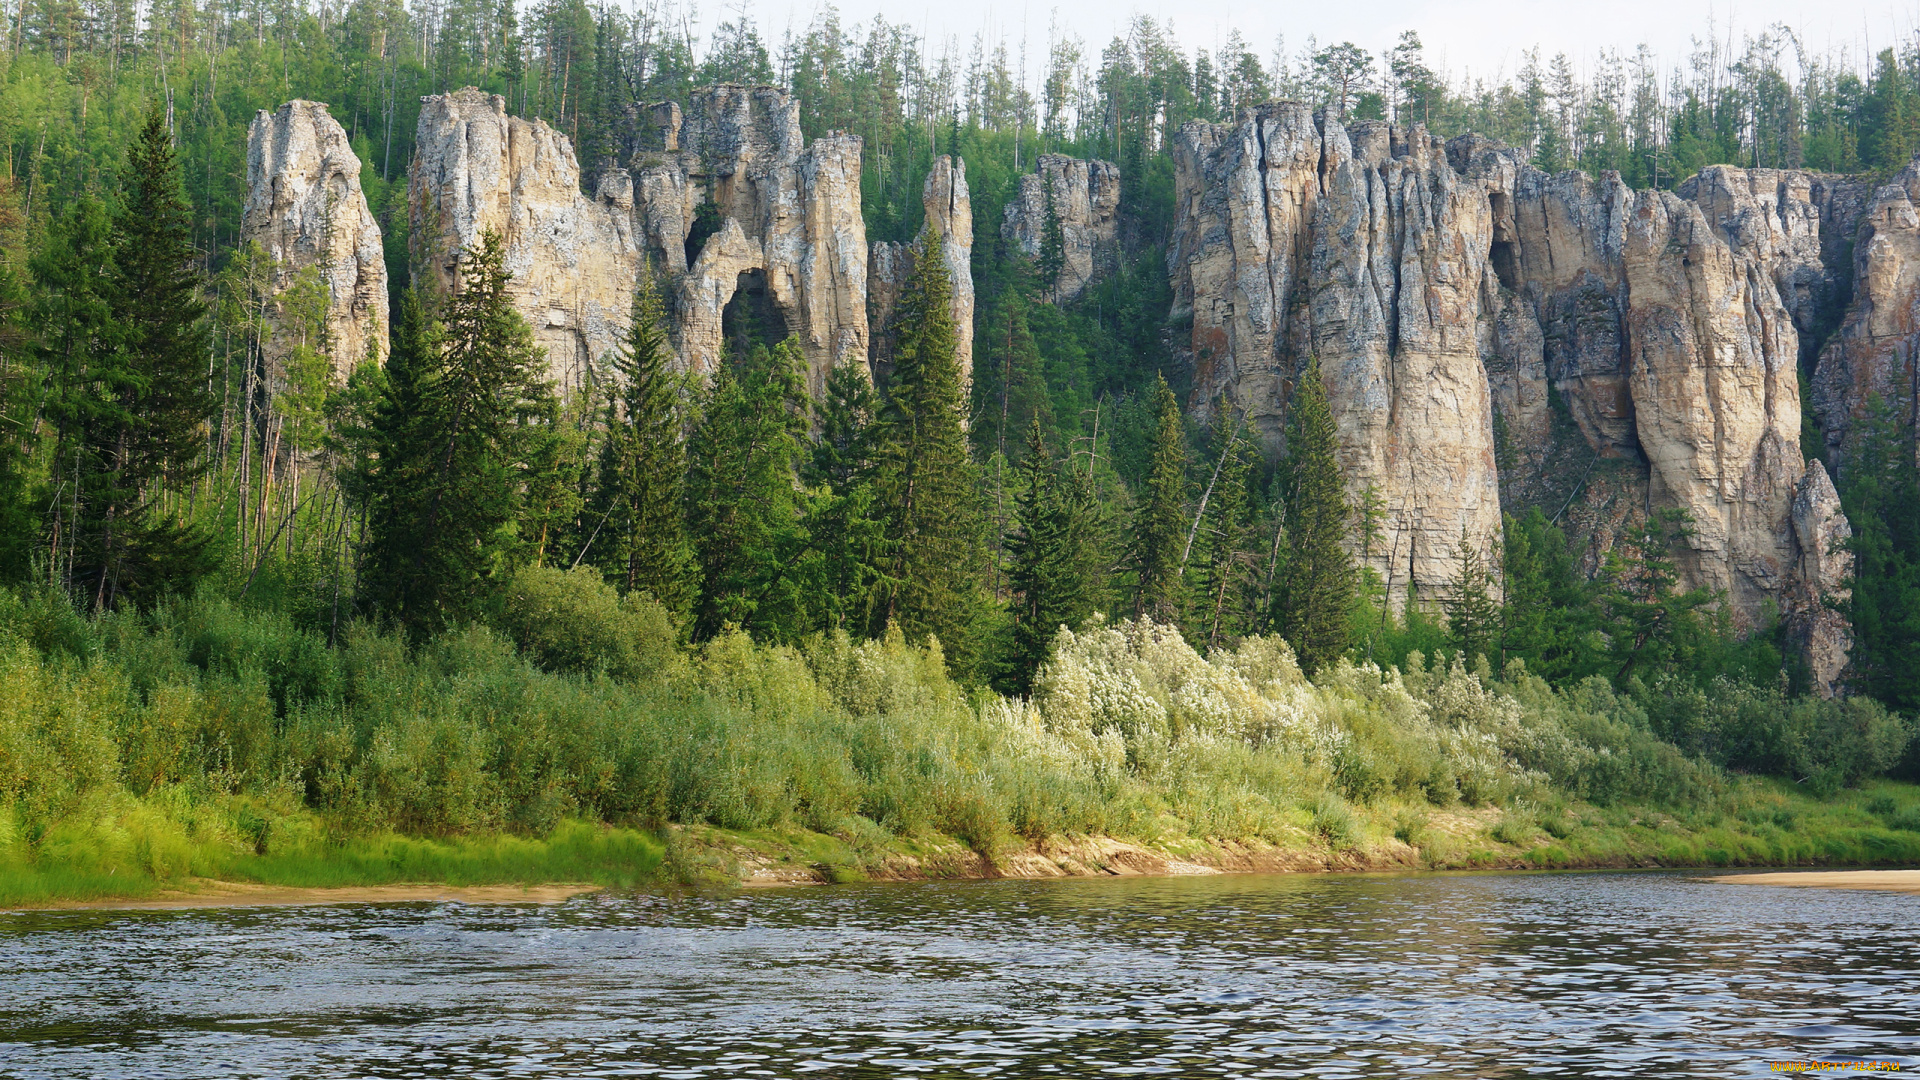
x,y
1159,536
743,509
1651,623
129,395
1547,616
457,433
926,479
1473,616
642,522
1222,592
1053,550
1314,590
79,358
1882,500
1053,245
849,541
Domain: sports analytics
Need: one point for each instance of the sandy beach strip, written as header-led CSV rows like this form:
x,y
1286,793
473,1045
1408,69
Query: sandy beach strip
x,y
1907,881
218,894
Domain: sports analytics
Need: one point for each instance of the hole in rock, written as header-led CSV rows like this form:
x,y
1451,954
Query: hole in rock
x,y
1506,264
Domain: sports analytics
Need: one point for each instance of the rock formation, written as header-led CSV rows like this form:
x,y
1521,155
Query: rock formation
x,y
573,258
305,209
1441,287
1363,247
1874,354
790,230
1086,207
949,212
786,223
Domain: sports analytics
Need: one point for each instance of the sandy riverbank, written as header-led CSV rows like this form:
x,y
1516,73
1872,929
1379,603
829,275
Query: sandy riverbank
x,y
1907,881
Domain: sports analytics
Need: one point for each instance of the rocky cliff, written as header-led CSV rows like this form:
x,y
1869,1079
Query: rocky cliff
x,y
1472,313
949,210
782,223
1085,197
790,231
1874,353
573,258
305,209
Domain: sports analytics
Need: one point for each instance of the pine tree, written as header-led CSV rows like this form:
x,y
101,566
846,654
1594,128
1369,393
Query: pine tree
x,y
1315,584
743,508
643,464
1160,527
926,479
1473,616
456,444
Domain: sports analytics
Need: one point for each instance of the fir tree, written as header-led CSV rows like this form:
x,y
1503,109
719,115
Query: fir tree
x,y
926,481
1160,527
1314,590
643,463
455,448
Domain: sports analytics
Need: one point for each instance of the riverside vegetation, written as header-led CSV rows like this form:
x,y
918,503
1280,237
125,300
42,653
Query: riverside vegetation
x,y
439,621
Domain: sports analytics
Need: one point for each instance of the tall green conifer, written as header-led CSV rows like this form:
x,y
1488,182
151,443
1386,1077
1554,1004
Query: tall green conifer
x,y
1160,527
1053,549
926,478
1314,590
458,430
743,509
643,463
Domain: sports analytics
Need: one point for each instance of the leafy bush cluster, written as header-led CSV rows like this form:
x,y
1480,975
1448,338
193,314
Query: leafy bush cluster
x,y
575,704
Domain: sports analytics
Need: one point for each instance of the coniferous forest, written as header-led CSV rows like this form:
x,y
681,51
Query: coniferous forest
x,y
248,617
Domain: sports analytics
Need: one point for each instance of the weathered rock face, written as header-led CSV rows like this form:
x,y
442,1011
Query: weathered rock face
x,y
1086,205
574,259
949,211
791,227
1820,633
1360,246
305,209
1441,287
1874,354
789,230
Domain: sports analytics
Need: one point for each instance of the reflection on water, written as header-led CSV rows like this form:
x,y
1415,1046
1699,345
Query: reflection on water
x,y
1443,975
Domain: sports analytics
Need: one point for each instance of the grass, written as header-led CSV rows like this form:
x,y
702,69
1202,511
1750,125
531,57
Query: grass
x,y
126,848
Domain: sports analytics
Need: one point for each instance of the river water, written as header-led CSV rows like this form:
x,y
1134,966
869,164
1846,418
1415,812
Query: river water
x,y
1578,974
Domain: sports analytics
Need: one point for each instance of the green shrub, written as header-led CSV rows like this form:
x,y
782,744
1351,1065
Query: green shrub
x,y
573,621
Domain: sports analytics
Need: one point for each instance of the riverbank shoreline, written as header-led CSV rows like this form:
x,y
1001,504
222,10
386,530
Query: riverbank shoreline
x,y
1772,826
1905,881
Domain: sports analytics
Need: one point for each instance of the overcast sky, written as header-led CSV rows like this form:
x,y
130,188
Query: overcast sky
x,y
1483,36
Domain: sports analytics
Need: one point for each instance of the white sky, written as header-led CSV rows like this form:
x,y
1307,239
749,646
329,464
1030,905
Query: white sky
x,y
1483,36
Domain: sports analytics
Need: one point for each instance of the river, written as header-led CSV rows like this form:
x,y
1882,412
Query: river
x,y
1455,975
